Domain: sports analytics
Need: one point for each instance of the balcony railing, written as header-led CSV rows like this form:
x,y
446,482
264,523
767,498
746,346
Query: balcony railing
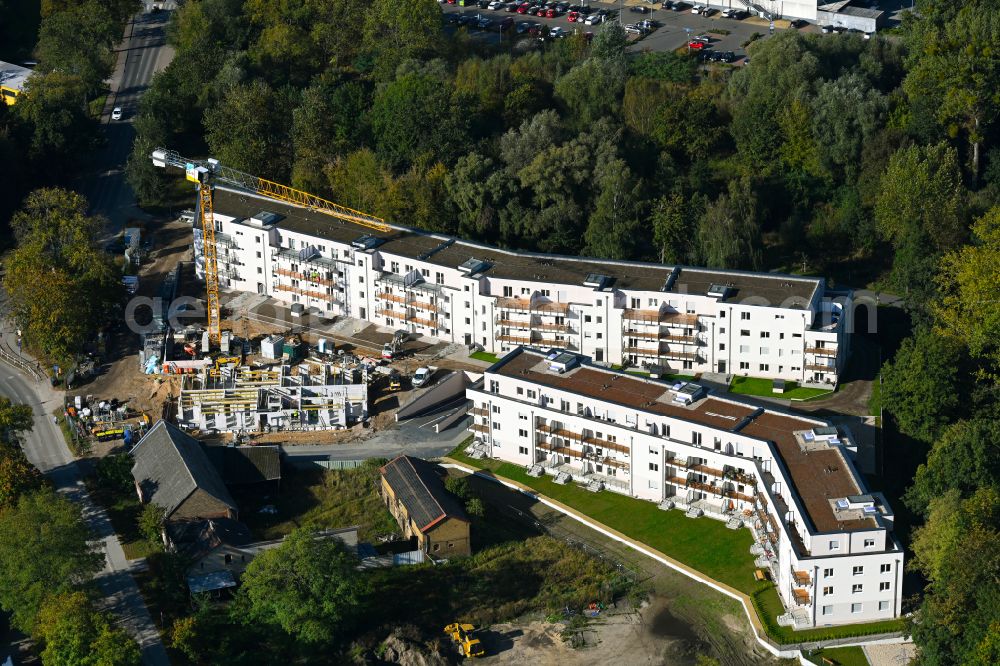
x,y
641,335
558,328
822,351
479,411
642,351
821,367
514,323
536,307
309,277
679,339
392,298
605,444
801,597
479,427
514,339
303,292
801,578
429,307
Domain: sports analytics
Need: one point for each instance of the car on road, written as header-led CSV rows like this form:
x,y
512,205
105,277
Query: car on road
x,y
116,114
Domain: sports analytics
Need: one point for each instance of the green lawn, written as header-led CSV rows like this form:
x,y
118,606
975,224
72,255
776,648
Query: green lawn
x,y
845,656
321,499
704,544
762,387
484,356
123,509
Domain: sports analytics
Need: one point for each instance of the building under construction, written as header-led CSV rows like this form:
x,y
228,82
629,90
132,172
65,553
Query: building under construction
x,y
308,397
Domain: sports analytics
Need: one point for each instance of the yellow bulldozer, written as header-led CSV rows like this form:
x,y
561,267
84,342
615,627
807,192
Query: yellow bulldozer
x,y
461,635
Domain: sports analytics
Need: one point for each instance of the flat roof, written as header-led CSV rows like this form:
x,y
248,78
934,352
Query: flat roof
x,y
818,474
451,252
13,76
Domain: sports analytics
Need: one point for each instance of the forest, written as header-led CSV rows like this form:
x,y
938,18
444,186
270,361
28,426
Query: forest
x,y
869,162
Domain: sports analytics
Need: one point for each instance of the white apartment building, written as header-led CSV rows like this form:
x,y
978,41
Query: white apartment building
x,y
678,319
827,542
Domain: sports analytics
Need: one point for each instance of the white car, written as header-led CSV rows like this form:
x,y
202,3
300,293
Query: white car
x,y
633,29
557,33
116,114
496,4
421,377
594,19
698,9
727,13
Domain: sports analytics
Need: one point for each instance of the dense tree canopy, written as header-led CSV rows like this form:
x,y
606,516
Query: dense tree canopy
x,y
75,635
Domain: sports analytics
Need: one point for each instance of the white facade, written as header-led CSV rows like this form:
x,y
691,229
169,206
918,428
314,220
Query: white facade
x,y
681,320
788,477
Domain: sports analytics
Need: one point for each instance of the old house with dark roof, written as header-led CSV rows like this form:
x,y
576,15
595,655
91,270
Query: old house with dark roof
x,y
172,471
254,467
423,508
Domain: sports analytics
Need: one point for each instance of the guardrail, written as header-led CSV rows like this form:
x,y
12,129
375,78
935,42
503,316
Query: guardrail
x,y
21,364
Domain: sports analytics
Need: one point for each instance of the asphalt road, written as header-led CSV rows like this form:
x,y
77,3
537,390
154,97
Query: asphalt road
x,y
143,53
46,449
415,437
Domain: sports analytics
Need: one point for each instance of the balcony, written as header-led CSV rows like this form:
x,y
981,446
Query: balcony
x,y
643,316
557,328
479,411
392,298
517,304
513,323
679,356
605,444
821,367
478,427
822,351
426,306
641,351
801,597
304,292
679,339
558,431
515,339
679,319
309,277
640,335
718,491
801,578
582,455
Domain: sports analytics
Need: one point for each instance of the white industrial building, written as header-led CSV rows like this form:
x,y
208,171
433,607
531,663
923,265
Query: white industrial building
x,y
308,397
827,542
676,319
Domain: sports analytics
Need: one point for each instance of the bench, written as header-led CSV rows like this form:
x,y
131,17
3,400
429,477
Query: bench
x,y
828,662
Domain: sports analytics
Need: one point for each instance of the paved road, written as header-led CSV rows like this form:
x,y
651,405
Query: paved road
x,y
143,53
415,438
46,449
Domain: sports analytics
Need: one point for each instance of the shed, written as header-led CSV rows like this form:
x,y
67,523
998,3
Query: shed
x,y
424,509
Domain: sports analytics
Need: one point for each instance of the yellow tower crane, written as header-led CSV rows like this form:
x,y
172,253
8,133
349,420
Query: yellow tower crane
x,y
205,174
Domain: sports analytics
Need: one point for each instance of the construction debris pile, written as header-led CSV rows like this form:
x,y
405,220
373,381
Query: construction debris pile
x,y
311,396
91,420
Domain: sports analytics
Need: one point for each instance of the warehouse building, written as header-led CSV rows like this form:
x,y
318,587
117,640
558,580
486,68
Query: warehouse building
x,y
826,541
672,318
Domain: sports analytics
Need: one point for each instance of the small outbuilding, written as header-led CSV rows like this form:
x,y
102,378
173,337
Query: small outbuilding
x,y
424,509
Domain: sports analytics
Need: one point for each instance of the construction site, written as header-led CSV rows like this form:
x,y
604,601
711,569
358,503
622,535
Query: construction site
x,y
310,396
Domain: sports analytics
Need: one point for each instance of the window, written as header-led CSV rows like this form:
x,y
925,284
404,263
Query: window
x,y
523,417
532,395
722,314
520,391
885,568
439,278
869,543
882,587
745,316
722,330
828,590
496,409
521,432
744,365
764,351
600,336
856,608
883,605
744,349
857,588
722,346
258,254
764,367
696,438
654,467
745,332
834,545
496,426
765,334
260,271
586,319
827,573
523,450
600,320
858,571
437,546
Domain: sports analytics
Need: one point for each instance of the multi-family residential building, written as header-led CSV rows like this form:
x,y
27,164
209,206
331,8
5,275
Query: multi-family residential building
x,y
676,318
827,542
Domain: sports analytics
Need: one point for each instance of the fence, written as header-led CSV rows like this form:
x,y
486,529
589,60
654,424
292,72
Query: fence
x,y
22,365
325,463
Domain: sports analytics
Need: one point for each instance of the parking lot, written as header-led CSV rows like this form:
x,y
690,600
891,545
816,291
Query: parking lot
x,y
673,28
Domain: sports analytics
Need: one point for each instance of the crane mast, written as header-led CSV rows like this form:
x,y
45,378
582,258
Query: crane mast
x,y
206,174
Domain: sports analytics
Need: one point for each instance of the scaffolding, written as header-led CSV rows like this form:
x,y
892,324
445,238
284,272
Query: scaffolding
x,y
248,399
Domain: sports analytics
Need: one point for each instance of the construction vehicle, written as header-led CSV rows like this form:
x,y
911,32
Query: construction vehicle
x,y
394,383
206,174
461,635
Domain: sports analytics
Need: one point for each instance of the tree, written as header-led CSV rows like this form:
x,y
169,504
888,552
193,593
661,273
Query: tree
x,y
458,486
968,310
921,211
114,472
17,475
75,635
249,131
964,458
151,523
610,43
728,233
478,189
674,220
330,121
15,417
394,36
846,112
78,41
54,105
954,70
592,90
62,287
308,587
475,507
44,550
412,117
613,230
959,551
921,385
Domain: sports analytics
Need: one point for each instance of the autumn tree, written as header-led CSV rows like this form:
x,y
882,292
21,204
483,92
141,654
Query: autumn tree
x,y
62,287
74,634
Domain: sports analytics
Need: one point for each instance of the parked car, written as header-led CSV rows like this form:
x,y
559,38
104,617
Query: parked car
x,y
695,45
678,6
594,19
116,113
573,17
422,376
702,38
541,11
557,33
483,4
698,9
496,4
523,8
523,27
708,11
728,13
826,29
506,23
